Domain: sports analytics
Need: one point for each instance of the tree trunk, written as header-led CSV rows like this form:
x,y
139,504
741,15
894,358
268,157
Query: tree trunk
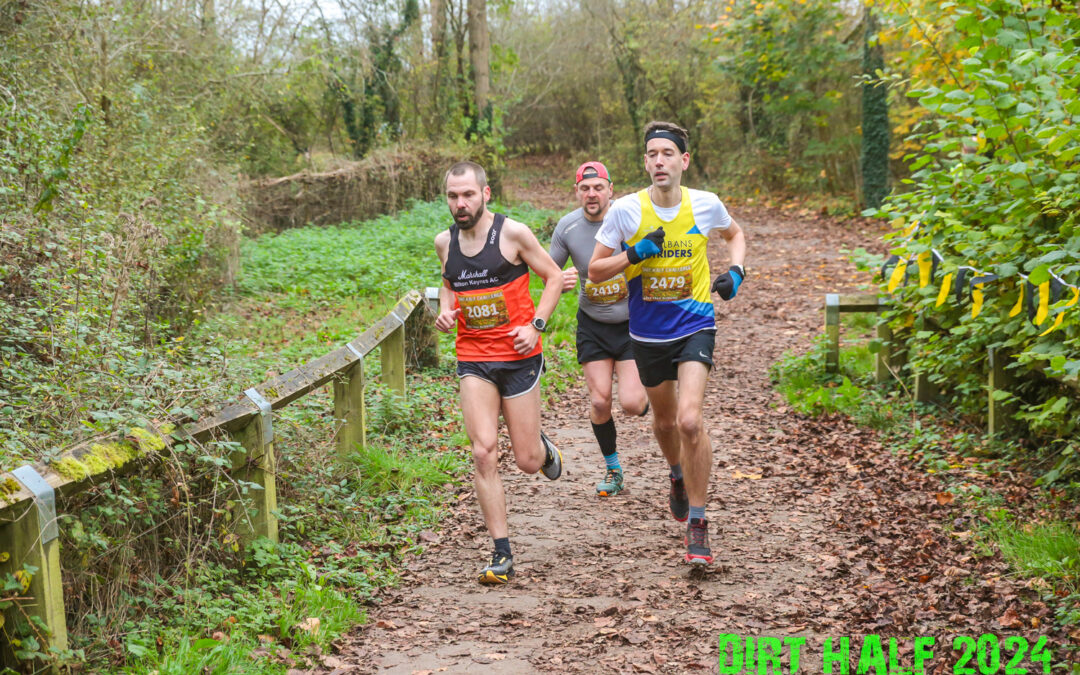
x,y
479,57
875,121
438,52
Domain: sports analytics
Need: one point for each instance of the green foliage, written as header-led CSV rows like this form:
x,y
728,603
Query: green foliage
x,y
791,69
802,380
995,189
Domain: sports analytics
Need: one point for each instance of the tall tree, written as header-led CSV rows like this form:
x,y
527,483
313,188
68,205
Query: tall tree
x,y
480,59
875,118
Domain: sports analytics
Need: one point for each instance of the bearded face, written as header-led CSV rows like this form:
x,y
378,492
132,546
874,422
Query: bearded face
x,y
466,219
466,199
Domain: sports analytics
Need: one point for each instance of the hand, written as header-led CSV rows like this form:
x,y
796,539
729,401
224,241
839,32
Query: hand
x,y
569,279
647,247
447,321
727,284
525,338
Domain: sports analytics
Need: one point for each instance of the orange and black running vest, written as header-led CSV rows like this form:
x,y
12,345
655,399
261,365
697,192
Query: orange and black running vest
x,y
493,295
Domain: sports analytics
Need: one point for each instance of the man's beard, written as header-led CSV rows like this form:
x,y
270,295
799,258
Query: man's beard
x,y
474,218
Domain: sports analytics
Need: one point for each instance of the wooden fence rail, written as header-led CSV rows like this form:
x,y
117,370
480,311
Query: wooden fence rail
x,y
893,354
28,495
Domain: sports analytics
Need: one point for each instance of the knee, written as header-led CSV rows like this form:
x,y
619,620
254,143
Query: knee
x,y
530,464
485,456
691,425
601,406
635,408
663,425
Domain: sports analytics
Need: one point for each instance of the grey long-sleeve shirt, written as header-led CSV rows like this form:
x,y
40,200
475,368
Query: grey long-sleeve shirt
x,y
575,238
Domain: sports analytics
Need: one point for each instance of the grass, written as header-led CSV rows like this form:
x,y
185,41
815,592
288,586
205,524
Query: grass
x,y
345,523
1049,550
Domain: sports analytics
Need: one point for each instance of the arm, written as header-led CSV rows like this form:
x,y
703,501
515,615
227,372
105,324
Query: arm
x,y
446,321
736,243
727,284
560,253
603,265
538,260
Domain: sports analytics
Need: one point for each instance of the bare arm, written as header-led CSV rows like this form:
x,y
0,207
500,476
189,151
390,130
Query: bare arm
x,y
736,243
603,265
538,260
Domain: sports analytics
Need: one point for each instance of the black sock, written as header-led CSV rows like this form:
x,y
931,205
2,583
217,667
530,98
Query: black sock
x,y
502,545
605,436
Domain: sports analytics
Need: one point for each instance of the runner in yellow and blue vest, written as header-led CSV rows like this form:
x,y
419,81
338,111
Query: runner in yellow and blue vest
x,y
662,233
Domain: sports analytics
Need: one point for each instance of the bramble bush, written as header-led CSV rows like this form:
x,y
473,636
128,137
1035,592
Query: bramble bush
x,y
995,189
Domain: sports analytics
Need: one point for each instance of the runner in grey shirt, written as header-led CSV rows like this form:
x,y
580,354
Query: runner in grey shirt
x,y
603,333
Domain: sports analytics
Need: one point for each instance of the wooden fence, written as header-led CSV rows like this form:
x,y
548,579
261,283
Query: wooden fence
x,y
28,495
893,354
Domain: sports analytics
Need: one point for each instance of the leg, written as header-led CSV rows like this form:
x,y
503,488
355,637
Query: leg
x,y
696,447
631,392
665,416
598,380
480,407
522,415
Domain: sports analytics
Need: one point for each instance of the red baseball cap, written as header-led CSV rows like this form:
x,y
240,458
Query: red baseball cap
x,y
592,170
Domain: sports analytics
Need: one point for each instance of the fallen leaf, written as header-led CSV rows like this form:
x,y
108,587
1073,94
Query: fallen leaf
x,y
386,624
944,498
309,625
752,476
1010,619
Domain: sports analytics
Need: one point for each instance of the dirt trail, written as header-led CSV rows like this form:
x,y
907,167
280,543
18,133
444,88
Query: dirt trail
x,y
817,531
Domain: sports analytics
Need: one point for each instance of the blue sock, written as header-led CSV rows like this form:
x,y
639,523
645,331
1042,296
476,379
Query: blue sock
x,y
697,512
676,471
612,461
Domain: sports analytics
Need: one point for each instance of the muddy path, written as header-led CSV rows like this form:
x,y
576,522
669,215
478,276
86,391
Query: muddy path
x,y
817,530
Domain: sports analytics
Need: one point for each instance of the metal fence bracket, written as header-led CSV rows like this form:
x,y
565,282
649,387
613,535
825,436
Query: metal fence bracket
x,y
44,497
265,412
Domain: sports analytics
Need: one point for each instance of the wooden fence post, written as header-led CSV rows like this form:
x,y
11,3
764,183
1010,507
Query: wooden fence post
x,y
392,351
925,390
999,413
832,333
33,540
350,410
883,362
259,465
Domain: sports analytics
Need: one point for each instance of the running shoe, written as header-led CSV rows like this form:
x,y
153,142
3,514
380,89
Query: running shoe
x,y
678,501
612,483
552,467
499,571
697,542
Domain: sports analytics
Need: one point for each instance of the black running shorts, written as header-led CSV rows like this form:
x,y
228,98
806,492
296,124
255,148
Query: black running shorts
x,y
658,362
511,378
598,341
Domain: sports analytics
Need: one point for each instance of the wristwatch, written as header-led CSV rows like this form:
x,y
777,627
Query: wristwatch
x,y
539,324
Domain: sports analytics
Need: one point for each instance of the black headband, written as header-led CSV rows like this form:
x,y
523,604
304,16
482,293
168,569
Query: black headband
x,y
661,133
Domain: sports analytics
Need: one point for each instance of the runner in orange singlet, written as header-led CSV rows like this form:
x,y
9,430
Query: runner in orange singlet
x,y
486,258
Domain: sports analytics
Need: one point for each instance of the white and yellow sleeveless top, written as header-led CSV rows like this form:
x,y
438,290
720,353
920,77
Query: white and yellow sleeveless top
x,y
670,292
